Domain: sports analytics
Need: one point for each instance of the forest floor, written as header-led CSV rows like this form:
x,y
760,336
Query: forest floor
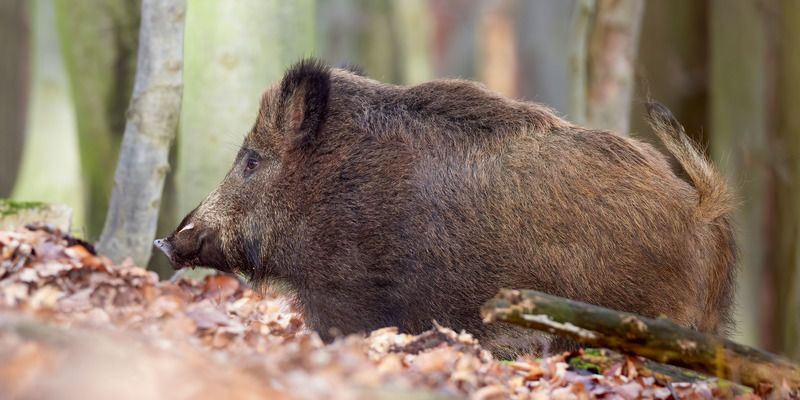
x,y
74,325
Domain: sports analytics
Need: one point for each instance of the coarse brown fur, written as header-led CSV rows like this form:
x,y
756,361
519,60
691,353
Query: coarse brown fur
x,y
383,205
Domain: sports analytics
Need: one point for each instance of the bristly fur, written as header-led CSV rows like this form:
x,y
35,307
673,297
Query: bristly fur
x,y
312,79
382,205
714,204
714,197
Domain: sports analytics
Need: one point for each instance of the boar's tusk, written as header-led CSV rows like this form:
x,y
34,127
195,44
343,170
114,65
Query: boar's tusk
x,y
187,227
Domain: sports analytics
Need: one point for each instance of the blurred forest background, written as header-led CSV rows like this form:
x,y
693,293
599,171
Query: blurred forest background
x,y
729,69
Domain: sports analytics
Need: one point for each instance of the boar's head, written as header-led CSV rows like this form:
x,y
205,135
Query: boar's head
x,y
244,219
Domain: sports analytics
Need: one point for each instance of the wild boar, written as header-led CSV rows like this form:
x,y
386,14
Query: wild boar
x,y
383,205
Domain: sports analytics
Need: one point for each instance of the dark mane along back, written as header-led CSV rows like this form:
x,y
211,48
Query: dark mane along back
x,y
476,109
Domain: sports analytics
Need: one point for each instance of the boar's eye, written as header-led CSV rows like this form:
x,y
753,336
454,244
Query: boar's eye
x,y
250,164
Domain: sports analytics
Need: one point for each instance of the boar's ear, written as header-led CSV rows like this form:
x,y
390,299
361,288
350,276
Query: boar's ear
x,y
304,102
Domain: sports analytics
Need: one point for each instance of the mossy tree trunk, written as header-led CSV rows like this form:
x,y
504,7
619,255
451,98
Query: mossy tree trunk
x,y
658,339
98,41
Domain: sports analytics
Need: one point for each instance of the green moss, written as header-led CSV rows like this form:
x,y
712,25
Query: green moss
x,y
593,352
580,363
11,207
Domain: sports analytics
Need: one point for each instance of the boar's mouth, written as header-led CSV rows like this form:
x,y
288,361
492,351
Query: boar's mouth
x,y
177,262
205,253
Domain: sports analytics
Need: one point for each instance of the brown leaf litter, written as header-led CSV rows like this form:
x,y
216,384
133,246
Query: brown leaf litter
x,y
75,325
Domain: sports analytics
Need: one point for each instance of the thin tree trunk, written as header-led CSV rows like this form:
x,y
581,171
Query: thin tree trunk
x,y
787,242
738,141
613,41
14,87
98,41
152,121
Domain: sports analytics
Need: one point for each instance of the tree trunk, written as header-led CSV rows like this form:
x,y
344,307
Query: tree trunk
x,y
14,87
98,41
658,339
612,44
234,51
738,141
787,243
153,114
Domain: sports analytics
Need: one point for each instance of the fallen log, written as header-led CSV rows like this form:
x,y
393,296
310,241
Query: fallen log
x,y
658,339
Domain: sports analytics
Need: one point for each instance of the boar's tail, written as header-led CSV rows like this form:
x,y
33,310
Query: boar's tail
x,y
714,198
714,205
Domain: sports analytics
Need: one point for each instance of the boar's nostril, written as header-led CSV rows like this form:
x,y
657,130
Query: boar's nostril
x,y
164,246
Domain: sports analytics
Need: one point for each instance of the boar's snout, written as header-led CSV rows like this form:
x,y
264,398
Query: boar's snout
x,y
193,246
164,246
